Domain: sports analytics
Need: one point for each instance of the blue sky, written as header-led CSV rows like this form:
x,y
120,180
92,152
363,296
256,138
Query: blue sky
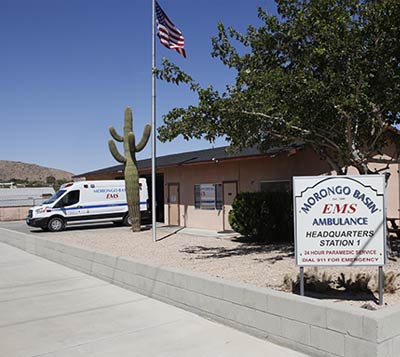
x,y
68,69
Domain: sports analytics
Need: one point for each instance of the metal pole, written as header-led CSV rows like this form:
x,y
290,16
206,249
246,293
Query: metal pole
x,y
302,281
380,285
153,125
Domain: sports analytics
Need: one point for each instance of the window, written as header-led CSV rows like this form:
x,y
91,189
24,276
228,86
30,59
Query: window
x,y
55,197
208,196
69,199
275,186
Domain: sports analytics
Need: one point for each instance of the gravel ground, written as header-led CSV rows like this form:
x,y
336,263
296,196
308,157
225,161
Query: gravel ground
x,y
225,256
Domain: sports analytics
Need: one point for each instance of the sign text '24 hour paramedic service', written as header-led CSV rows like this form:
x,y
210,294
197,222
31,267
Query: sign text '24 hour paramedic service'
x,y
340,220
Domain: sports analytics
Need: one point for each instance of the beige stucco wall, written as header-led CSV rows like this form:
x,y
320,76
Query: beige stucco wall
x,y
392,188
249,173
189,176
393,192
13,213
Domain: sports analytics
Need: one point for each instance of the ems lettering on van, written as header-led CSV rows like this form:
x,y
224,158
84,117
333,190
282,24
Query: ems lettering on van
x,y
111,196
340,220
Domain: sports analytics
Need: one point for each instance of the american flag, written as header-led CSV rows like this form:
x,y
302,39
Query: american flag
x,y
170,36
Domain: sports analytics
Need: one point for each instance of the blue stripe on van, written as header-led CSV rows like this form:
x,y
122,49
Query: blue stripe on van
x,y
96,206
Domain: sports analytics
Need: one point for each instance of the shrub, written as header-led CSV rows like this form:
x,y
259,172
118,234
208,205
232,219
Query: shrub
x,y
313,281
263,216
359,284
390,282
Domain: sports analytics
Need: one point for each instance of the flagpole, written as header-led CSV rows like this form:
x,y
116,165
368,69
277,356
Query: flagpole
x,y
153,125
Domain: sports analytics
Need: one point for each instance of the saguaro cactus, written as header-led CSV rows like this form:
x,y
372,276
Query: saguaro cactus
x,y
130,166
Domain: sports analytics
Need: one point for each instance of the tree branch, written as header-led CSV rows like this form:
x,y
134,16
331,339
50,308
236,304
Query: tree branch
x,y
384,161
274,118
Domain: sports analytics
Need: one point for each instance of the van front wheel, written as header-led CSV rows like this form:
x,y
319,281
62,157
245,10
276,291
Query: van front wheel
x,y
56,224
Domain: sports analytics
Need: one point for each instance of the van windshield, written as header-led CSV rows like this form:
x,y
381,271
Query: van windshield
x,y
55,197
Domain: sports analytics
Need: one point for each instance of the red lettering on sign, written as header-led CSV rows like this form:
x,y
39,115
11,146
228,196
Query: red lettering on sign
x,y
330,208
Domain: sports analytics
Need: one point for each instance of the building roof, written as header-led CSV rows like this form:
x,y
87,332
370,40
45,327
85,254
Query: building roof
x,y
198,157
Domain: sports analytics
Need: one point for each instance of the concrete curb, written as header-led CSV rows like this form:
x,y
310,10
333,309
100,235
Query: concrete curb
x,y
303,324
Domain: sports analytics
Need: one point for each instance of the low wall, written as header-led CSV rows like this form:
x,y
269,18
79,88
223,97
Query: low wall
x,y
13,213
312,326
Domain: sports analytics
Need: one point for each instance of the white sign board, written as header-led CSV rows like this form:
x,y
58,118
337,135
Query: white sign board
x,y
207,196
340,220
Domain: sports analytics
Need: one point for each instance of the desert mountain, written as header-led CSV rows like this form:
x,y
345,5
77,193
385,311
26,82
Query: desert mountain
x,y
29,172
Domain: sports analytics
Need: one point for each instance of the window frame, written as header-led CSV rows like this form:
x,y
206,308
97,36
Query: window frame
x,y
218,197
61,202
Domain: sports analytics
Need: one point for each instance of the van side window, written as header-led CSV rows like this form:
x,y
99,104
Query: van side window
x,y
69,199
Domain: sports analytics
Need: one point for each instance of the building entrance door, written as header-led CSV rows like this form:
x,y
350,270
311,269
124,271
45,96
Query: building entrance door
x,y
230,191
173,204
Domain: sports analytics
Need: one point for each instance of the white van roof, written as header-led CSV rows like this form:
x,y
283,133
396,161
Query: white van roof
x,y
98,183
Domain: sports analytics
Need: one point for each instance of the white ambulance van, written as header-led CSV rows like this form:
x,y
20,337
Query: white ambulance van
x,y
87,202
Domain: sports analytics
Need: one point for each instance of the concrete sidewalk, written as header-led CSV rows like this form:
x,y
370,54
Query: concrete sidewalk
x,y
49,310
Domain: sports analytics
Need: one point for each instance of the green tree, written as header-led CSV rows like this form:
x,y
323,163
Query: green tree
x,y
323,72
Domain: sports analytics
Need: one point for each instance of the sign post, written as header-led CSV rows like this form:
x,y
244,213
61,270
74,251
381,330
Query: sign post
x,y
340,221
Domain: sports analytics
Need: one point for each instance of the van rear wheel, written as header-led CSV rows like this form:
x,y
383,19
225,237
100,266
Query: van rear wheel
x,y
56,224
